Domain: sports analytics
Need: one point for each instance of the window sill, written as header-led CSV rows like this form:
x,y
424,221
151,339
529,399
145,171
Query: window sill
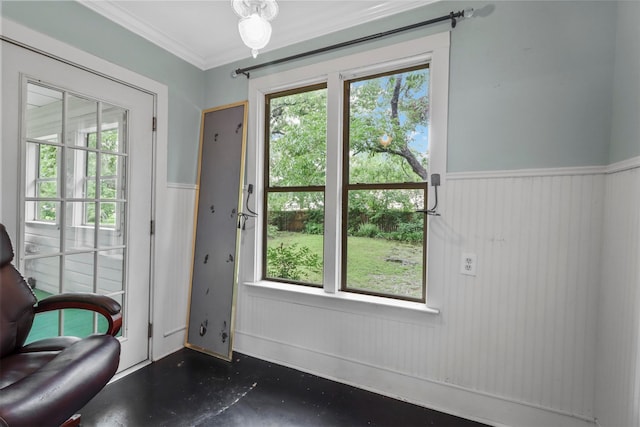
x,y
39,223
343,301
36,223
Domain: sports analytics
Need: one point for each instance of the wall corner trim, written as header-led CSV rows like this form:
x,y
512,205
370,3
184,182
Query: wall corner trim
x,y
632,163
529,173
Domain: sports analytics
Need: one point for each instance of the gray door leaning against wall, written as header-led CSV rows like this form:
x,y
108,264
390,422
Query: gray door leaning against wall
x,y
76,183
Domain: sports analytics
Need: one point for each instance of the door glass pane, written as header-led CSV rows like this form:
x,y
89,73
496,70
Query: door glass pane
x,y
82,120
114,122
89,190
44,113
41,177
78,272
78,323
81,165
79,235
43,275
110,271
385,250
48,161
111,215
112,176
41,236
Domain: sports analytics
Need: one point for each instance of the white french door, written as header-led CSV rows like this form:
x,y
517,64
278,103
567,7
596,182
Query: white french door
x,y
77,152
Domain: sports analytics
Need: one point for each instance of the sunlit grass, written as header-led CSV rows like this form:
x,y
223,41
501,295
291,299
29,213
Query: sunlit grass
x,y
374,264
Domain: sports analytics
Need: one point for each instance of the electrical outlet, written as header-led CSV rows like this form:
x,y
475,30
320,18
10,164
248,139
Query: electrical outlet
x,y
469,264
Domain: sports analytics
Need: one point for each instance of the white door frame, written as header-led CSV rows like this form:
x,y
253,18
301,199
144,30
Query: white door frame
x,y
58,50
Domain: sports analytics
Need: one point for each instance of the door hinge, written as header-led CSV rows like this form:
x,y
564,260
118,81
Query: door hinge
x,y
152,230
150,330
154,124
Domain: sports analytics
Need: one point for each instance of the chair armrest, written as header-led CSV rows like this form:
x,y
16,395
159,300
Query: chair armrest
x,y
107,307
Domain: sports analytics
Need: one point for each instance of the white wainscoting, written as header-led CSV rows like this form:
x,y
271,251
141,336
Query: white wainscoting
x,y
618,355
514,345
173,274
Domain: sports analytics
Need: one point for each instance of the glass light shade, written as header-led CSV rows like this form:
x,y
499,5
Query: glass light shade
x,y
268,9
255,32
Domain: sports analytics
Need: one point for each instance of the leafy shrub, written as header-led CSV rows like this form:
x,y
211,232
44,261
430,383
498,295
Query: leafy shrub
x,y
314,228
314,222
368,230
292,262
272,230
410,232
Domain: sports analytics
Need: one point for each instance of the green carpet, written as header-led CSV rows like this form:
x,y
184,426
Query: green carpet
x,y
77,323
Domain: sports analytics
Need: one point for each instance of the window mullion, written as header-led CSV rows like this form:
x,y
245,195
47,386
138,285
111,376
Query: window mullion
x,y
333,193
62,188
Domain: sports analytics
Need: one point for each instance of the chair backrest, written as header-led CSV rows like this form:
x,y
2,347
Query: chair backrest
x,y
16,300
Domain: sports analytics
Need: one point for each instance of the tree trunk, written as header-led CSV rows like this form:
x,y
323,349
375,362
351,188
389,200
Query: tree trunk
x,y
404,151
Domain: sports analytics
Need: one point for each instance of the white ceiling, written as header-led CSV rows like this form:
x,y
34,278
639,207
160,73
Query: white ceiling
x,y
205,32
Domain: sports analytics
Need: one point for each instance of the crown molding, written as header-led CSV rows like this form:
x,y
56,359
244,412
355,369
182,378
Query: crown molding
x,y
110,10
119,15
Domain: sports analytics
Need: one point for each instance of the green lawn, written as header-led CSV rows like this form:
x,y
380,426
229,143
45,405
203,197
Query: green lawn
x,y
375,265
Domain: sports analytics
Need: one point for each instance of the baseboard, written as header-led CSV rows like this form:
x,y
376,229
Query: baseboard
x,y
435,395
162,346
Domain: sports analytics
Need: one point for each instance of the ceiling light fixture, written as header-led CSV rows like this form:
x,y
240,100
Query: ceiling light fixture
x,y
254,26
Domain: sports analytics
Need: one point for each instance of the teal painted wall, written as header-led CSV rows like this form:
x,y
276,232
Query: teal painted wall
x,y
530,87
625,135
76,25
533,84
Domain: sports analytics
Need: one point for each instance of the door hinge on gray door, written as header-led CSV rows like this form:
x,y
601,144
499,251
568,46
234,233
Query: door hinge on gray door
x,y
154,124
152,229
150,331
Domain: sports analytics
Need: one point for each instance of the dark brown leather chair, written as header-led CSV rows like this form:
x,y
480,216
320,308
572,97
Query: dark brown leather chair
x,y
46,382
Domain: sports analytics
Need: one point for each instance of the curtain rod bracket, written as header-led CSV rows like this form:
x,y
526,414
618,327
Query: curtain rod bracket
x,y
239,71
453,17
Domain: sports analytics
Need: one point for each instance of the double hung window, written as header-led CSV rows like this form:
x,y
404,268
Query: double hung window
x,y
346,164
295,181
385,152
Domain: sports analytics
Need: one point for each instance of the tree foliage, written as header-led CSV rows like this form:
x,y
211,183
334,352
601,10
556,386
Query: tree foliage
x,y
396,108
387,143
297,144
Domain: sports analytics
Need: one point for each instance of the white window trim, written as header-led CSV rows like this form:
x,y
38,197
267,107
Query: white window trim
x,y
434,48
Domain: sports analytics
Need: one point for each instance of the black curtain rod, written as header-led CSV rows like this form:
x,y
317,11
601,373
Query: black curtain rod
x,y
453,16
